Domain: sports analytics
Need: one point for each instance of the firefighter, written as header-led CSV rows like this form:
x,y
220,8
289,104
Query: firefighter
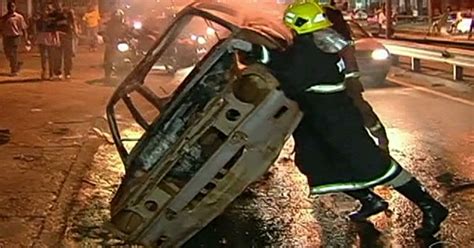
x,y
332,147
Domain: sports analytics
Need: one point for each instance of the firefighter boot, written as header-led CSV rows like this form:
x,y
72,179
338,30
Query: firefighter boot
x,y
371,204
433,212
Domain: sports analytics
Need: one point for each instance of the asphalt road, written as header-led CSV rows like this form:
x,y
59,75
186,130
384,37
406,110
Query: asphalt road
x,y
433,137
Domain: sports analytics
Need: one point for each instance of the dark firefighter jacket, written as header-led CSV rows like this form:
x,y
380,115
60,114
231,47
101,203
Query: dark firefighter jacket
x,y
332,146
354,87
303,64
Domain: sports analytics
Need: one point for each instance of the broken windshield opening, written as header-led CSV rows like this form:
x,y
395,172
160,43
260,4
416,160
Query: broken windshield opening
x,y
154,83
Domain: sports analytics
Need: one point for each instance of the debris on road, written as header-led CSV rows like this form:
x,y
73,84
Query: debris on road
x,y
4,136
26,157
36,110
106,136
61,130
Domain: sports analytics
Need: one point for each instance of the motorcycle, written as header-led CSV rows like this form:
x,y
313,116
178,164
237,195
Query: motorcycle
x,y
126,56
185,53
131,49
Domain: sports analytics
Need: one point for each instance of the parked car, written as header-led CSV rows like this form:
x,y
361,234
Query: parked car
x,y
219,128
373,58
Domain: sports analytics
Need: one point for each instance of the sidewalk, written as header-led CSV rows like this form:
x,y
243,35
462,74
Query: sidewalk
x,y
420,31
48,149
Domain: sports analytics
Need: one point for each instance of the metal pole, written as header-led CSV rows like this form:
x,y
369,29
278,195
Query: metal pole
x,y
419,6
430,12
388,14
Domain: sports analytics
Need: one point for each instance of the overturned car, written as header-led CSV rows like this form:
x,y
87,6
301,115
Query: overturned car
x,y
208,131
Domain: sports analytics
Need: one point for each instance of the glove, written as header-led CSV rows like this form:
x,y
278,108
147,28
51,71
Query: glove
x,y
242,45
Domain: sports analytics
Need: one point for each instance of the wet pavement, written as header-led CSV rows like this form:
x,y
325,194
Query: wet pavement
x,y
44,135
433,137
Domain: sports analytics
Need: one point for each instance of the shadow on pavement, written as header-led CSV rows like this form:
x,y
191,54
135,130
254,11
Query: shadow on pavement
x,y
6,78
369,236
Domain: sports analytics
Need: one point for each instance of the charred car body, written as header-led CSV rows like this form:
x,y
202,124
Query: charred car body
x,y
219,129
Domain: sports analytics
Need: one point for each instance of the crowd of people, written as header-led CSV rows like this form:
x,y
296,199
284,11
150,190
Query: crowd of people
x,y
54,30
54,34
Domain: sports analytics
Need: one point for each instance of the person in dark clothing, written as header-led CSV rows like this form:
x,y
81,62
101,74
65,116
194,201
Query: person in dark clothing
x,y
115,30
64,24
12,27
337,18
332,147
371,203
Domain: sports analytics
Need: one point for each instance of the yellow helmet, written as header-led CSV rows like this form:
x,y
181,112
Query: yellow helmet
x,y
306,17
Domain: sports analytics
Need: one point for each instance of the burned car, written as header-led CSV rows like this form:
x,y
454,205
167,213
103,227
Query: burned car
x,y
208,131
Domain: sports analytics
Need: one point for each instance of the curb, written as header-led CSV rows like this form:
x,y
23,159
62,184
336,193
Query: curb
x,y
430,91
55,224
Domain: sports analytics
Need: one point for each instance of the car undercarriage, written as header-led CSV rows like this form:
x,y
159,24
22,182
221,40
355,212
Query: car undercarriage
x,y
220,130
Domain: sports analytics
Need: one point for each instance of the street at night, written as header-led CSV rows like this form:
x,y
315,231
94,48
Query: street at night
x,y
189,136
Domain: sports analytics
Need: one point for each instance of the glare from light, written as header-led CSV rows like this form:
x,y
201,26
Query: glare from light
x,y
210,31
194,37
201,40
137,25
465,25
123,47
380,54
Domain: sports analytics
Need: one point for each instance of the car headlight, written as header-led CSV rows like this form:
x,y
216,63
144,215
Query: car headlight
x,y
123,47
137,25
380,54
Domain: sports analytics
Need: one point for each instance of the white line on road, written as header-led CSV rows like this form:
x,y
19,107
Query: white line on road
x,y
437,93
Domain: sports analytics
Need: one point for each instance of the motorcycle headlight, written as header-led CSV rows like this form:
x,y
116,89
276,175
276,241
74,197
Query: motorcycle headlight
x,y
380,54
201,40
123,47
210,31
137,25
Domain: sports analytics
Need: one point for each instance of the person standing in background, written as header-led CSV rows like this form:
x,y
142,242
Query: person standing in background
x,y
65,26
92,20
12,27
47,40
